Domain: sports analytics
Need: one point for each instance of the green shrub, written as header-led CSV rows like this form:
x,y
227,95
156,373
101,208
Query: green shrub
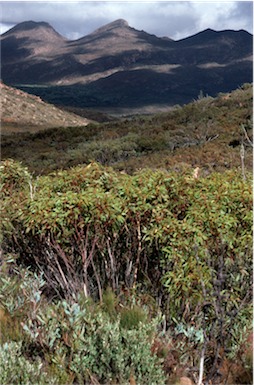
x,y
93,346
20,298
132,318
20,292
16,369
185,239
110,302
14,176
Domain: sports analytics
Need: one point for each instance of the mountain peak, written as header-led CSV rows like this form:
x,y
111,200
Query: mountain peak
x,y
119,23
28,25
34,30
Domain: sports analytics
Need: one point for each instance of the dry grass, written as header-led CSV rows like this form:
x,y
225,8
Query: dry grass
x,y
21,112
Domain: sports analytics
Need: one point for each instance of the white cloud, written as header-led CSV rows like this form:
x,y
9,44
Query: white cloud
x,y
175,19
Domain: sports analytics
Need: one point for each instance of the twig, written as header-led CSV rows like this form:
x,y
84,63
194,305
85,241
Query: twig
x,y
246,135
242,161
201,365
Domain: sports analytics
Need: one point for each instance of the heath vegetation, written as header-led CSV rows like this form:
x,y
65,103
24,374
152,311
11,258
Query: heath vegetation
x,y
127,249
207,133
108,277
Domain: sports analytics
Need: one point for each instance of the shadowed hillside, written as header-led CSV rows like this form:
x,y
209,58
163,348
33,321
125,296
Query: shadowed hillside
x,y
118,66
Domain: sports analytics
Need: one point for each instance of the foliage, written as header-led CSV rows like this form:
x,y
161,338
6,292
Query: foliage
x,y
131,318
93,347
20,291
20,298
184,239
14,176
15,181
16,369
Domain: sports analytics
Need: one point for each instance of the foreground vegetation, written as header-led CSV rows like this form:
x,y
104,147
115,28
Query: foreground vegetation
x,y
114,278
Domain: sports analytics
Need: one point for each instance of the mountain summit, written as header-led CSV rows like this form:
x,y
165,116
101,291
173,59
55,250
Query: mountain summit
x,y
120,23
119,64
33,30
28,25
26,42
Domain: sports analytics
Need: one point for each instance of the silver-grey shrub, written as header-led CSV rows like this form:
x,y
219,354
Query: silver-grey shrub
x,y
91,345
16,369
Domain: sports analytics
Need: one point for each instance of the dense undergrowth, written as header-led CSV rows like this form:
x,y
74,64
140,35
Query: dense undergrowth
x,y
114,278
207,133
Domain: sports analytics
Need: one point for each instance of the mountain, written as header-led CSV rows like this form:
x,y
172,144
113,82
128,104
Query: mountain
x,y
117,65
21,112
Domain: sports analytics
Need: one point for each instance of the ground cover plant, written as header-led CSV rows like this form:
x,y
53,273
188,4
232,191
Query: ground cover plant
x,y
207,133
108,277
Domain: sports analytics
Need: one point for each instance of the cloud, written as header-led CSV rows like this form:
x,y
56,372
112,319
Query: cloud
x,y
175,19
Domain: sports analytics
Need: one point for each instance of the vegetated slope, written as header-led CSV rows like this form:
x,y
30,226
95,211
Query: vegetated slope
x,y
23,112
140,247
207,133
119,66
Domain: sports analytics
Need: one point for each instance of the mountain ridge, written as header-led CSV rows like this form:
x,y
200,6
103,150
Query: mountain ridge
x,y
118,23
212,61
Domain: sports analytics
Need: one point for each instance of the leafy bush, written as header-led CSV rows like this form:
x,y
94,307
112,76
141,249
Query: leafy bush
x,y
20,298
91,346
15,183
182,238
16,369
20,291
132,318
14,176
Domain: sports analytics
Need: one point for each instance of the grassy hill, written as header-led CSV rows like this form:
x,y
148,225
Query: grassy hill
x,y
22,112
206,133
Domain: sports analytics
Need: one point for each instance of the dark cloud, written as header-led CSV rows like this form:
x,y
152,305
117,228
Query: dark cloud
x,y
239,15
245,10
175,19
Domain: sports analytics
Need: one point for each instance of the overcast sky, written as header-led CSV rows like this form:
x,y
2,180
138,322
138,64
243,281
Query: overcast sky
x,y
175,19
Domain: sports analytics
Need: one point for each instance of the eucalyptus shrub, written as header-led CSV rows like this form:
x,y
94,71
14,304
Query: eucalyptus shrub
x,y
14,176
21,291
207,262
15,185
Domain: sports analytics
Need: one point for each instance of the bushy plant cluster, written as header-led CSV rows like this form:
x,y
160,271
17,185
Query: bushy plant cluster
x,y
75,341
16,369
88,344
183,239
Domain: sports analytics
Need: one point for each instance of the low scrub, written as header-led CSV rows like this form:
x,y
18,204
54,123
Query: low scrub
x,y
178,241
206,133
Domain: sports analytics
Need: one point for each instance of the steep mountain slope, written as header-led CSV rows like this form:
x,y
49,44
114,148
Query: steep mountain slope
x,y
23,112
117,65
109,47
27,51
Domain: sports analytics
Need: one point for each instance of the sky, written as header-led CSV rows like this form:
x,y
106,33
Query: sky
x,y
174,19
